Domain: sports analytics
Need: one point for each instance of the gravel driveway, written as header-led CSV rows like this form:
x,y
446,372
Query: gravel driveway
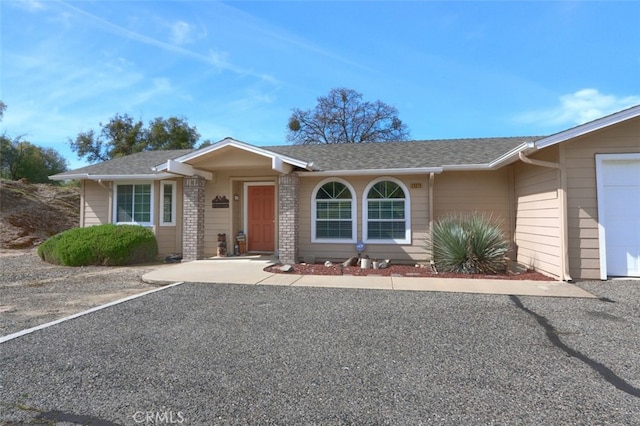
x,y
33,292
235,354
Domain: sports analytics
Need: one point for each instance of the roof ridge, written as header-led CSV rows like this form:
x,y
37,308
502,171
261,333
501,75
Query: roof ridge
x,y
533,138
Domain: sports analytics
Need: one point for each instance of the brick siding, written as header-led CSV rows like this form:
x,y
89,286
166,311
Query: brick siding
x,y
288,225
193,217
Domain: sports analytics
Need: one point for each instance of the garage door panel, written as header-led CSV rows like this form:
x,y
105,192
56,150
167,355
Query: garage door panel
x,y
621,172
619,210
622,201
623,234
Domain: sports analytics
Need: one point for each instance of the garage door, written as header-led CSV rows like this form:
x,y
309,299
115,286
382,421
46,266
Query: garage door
x,y
619,214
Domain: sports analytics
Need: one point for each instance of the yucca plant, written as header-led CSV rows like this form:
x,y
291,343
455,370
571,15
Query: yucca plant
x,y
470,244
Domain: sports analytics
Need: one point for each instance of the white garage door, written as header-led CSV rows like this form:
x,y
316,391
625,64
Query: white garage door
x,y
619,214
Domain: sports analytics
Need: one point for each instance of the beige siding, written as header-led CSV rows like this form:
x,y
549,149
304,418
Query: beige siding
x,y
470,192
169,237
415,251
579,162
166,240
97,206
96,203
538,225
230,158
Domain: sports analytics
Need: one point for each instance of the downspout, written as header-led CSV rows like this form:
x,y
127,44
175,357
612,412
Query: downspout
x,y
564,226
432,177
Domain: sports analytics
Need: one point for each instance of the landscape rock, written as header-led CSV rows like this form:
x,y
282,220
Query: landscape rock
x,y
286,268
352,261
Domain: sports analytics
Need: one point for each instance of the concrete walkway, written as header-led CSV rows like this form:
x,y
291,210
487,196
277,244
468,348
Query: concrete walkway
x,y
250,270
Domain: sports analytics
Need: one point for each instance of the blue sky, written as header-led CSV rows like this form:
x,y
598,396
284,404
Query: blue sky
x,y
452,69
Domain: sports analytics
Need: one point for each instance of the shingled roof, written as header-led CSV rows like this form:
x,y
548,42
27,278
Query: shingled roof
x,y
134,164
480,152
410,154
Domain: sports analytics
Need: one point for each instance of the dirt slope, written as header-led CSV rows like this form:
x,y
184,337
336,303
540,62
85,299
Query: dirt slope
x,y
31,213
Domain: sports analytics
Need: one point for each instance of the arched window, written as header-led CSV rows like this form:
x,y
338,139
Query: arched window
x,y
387,212
333,212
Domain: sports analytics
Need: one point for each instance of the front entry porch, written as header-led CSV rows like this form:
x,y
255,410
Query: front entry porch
x,y
264,210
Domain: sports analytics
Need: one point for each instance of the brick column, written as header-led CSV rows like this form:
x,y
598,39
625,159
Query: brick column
x,y
288,218
193,218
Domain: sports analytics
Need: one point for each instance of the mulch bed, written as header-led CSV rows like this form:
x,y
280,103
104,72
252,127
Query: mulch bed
x,y
400,271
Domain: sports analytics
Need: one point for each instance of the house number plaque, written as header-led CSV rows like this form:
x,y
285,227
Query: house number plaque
x,y
220,202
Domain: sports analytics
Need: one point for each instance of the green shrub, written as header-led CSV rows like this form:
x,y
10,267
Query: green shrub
x,y
469,244
100,245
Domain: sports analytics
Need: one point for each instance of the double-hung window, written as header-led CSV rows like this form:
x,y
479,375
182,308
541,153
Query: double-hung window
x,y
387,212
133,203
334,215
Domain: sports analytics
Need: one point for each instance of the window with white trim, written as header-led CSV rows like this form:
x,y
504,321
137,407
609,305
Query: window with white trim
x,y
133,203
386,212
167,203
334,214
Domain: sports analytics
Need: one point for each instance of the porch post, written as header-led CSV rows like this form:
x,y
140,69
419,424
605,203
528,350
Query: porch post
x,y
193,217
288,218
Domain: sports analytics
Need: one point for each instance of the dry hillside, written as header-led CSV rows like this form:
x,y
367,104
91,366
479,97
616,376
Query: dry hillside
x,y
31,213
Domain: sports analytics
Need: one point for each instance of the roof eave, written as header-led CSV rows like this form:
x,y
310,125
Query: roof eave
x,y
277,159
87,176
589,127
507,158
367,172
513,155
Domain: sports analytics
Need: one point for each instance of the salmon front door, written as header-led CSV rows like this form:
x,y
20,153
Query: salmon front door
x,y
261,218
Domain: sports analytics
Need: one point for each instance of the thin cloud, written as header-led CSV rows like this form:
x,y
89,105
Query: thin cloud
x,y
579,107
213,58
253,24
159,87
30,5
181,33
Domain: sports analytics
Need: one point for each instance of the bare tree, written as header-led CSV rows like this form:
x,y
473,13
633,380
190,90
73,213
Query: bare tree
x,y
343,117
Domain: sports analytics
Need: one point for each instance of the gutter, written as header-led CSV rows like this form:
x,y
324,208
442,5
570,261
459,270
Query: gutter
x,y
148,176
564,226
368,172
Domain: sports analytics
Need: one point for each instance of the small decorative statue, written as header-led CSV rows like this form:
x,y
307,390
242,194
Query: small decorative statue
x,y
222,245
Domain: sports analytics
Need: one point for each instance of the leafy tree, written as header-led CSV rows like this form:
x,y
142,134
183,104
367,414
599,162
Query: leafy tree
x,y
8,155
21,159
122,135
343,117
172,133
205,144
119,137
